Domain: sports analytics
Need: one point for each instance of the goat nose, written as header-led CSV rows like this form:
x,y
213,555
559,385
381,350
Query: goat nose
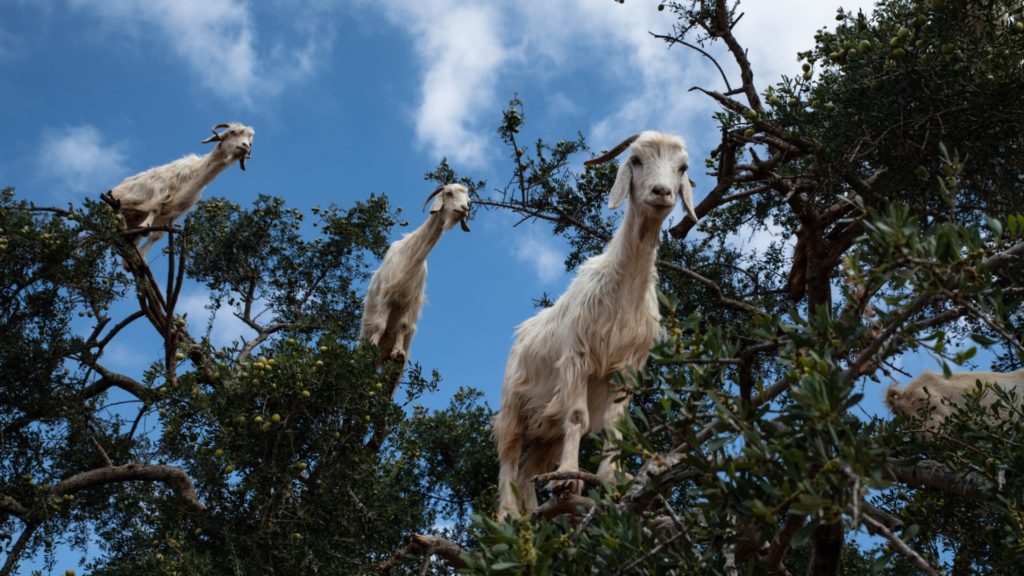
x,y
661,190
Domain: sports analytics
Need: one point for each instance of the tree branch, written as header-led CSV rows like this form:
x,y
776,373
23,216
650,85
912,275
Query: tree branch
x,y
427,545
899,545
931,474
175,478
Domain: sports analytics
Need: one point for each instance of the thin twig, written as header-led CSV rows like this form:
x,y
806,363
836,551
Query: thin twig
x,y
899,545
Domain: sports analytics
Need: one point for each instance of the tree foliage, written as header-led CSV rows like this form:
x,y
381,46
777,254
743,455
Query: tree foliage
x,y
279,453
887,176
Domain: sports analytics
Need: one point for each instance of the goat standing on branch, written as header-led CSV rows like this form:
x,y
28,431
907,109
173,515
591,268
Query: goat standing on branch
x,y
396,291
557,385
158,196
942,396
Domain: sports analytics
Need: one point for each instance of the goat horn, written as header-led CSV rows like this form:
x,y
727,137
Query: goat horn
x,y
216,135
431,197
613,152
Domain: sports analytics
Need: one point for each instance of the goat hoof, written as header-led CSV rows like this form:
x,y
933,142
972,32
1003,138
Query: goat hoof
x,y
108,197
566,486
398,356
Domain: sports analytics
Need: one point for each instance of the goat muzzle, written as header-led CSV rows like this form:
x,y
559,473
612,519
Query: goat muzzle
x,y
245,155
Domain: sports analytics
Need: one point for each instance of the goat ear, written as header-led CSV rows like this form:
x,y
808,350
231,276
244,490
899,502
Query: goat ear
x,y
686,193
437,204
623,182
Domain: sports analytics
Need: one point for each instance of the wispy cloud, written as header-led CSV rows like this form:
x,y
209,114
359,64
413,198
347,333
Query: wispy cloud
x,y
541,254
469,51
226,326
461,50
80,160
773,54
218,40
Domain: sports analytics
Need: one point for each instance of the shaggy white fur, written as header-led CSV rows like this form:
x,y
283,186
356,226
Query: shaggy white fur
x,y
943,396
396,291
158,196
556,385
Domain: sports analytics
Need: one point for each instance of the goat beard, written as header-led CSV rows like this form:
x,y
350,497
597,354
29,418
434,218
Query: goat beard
x,y
241,163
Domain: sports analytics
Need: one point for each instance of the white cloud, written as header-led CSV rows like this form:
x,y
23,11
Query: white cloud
x,y
469,51
226,326
218,40
540,254
773,53
78,158
462,54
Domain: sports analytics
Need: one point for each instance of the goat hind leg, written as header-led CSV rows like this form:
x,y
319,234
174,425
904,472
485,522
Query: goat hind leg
x,y
539,459
144,249
403,338
508,434
575,424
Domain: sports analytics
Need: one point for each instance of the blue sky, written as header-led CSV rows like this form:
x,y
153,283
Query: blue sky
x,y
359,97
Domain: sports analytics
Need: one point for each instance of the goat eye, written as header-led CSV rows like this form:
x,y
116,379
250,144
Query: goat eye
x,y
636,161
683,169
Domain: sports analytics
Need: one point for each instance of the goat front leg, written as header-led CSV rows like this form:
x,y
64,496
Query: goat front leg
x,y
149,243
150,218
404,331
375,317
606,470
576,420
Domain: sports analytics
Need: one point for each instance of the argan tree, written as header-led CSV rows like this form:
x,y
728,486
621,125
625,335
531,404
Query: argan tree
x,y
889,177
281,453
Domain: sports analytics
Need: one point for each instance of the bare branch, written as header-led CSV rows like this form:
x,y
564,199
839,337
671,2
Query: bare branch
x,y
103,453
930,474
899,545
110,379
677,40
11,506
565,502
18,549
427,545
175,478
586,477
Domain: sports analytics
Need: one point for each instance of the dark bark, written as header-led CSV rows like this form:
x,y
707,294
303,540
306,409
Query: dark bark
x,y
827,549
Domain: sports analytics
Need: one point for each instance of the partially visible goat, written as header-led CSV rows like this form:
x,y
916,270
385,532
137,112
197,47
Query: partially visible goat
x,y
943,396
557,385
395,295
158,196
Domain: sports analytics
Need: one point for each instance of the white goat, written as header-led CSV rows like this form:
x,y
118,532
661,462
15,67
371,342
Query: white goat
x,y
557,385
158,196
395,295
943,396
